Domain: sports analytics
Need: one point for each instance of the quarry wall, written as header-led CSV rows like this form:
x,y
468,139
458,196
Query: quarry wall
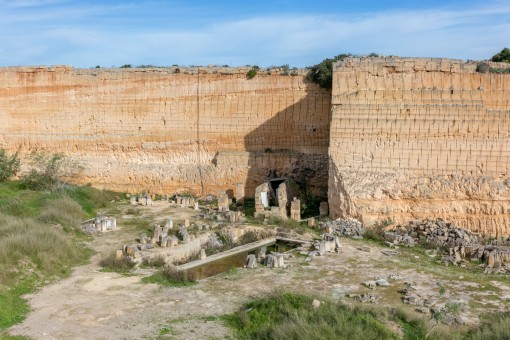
x,y
170,129
419,138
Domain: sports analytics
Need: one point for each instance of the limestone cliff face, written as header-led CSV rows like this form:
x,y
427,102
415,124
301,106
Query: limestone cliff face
x,y
172,129
418,138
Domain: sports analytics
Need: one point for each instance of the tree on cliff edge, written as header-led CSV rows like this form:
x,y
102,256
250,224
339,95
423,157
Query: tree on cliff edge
x,y
503,56
322,73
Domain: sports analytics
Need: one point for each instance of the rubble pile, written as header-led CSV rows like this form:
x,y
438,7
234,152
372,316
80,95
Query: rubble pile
x,y
437,232
346,227
461,243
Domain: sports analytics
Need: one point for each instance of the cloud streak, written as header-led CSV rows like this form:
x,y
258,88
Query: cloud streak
x,y
85,36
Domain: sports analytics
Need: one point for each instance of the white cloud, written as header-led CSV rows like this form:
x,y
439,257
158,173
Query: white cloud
x,y
85,36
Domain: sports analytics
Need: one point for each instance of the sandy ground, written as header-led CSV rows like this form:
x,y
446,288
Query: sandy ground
x,y
91,304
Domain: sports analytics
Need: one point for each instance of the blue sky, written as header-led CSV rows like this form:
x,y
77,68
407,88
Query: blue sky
x,y
264,32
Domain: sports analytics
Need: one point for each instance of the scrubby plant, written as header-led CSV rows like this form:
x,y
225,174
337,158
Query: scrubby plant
x,y
498,328
156,261
50,171
285,69
482,68
119,265
252,72
63,211
9,165
170,276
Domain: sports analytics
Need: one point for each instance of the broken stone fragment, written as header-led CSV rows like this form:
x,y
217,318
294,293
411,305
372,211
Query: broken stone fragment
x,y
163,241
382,283
370,284
424,310
316,303
251,261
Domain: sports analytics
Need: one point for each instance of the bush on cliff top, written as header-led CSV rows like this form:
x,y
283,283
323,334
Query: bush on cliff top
x,y
322,73
503,56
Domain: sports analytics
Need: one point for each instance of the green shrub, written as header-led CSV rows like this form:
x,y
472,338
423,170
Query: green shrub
x,y
157,261
503,56
49,172
482,68
170,276
322,73
252,73
9,165
285,70
113,264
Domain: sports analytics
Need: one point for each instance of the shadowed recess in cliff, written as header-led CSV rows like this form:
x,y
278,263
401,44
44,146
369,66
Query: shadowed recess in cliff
x,y
293,144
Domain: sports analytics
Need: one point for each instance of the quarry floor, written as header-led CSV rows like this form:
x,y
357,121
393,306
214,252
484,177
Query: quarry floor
x,y
92,304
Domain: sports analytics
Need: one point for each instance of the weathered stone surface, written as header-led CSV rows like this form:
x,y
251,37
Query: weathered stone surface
x,y
136,129
251,261
295,209
403,139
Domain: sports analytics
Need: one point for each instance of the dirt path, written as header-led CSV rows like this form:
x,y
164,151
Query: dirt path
x,y
91,304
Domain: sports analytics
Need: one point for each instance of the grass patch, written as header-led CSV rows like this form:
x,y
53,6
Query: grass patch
x,y
412,328
156,261
113,264
13,308
291,316
171,277
497,328
89,198
40,241
63,211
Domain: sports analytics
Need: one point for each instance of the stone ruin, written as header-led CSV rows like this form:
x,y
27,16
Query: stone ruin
x,y
223,201
273,260
99,224
185,201
143,199
274,195
161,238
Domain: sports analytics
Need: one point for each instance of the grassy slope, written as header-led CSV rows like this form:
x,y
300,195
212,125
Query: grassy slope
x,y
40,240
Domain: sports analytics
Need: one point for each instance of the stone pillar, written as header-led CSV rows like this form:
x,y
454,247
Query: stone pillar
x,y
282,200
239,195
169,224
295,209
261,197
223,201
